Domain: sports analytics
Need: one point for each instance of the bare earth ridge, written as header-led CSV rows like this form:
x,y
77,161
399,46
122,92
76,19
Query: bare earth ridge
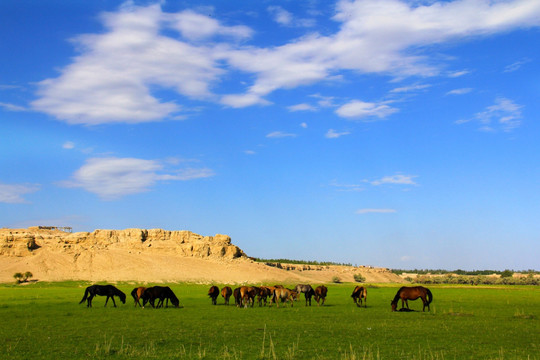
x,y
154,256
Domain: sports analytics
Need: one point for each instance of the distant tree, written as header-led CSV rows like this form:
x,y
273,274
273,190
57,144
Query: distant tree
x,y
27,275
359,278
18,276
336,279
507,273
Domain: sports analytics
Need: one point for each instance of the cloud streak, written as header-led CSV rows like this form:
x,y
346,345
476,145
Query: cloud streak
x,y
13,193
112,178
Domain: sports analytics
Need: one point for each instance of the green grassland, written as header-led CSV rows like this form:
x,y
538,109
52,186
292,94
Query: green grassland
x,y
41,321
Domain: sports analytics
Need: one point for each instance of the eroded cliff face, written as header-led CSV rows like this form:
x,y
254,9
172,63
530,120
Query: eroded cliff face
x,y
31,241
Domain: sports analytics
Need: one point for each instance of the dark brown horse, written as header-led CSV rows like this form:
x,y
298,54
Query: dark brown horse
x,y
226,292
412,293
102,290
265,292
213,293
237,297
358,294
137,294
161,293
320,294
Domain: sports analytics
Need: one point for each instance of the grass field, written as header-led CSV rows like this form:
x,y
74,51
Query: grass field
x,y
40,321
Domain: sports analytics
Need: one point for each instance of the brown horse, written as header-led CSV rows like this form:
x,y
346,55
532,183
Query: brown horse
x,y
412,293
247,295
284,295
265,292
213,293
358,294
237,297
226,292
307,290
137,294
320,294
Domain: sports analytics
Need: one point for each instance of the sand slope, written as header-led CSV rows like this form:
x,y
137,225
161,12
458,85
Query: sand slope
x,y
153,256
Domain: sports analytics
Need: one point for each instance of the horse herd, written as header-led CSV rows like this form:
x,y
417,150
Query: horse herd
x,y
246,296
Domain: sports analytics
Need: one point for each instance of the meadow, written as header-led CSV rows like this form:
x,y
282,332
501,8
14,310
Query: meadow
x,y
45,320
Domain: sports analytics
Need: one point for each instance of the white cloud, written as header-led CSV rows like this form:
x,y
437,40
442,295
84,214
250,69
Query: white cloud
x,y
504,115
375,211
373,37
396,179
13,194
279,134
12,107
461,91
280,15
304,125
250,152
111,178
68,145
410,88
360,109
333,134
460,73
517,65
301,107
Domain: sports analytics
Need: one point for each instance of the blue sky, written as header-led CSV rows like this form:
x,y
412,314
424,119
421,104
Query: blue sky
x,y
390,133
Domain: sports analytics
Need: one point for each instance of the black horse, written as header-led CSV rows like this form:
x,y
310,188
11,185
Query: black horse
x,y
161,293
103,290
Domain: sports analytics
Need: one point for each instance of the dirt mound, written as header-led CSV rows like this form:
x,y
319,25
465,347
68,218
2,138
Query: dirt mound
x,y
152,256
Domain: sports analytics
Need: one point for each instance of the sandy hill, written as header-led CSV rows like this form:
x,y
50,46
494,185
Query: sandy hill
x,y
153,256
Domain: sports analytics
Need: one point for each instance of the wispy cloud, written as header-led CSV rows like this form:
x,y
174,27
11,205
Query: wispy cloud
x,y
13,193
333,134
285,18
410,88
302,107
517,65
111,178
375,211
279,134
461,91
396,179
358,109
504,115
12,107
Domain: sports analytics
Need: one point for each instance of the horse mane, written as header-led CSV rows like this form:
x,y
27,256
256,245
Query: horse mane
x,y
396,298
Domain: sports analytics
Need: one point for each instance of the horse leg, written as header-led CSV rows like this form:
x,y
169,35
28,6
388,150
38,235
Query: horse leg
x,y
106,300
114,303
90,301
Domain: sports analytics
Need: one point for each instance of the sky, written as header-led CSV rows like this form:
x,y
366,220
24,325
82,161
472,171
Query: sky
x,y
393,133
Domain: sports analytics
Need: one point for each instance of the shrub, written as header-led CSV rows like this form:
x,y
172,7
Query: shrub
x,y
336,279
359,278
18,277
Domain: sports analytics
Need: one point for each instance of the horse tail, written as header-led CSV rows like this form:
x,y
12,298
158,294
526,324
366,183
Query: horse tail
x,y
86,292
429,296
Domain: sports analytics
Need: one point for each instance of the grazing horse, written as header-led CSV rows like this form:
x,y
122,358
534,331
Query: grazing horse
x,y
320,294
226,292
213,293
103,290
247,295
237,297
265,292
358,294
284,295
412,293
137,294
161,293
307,290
